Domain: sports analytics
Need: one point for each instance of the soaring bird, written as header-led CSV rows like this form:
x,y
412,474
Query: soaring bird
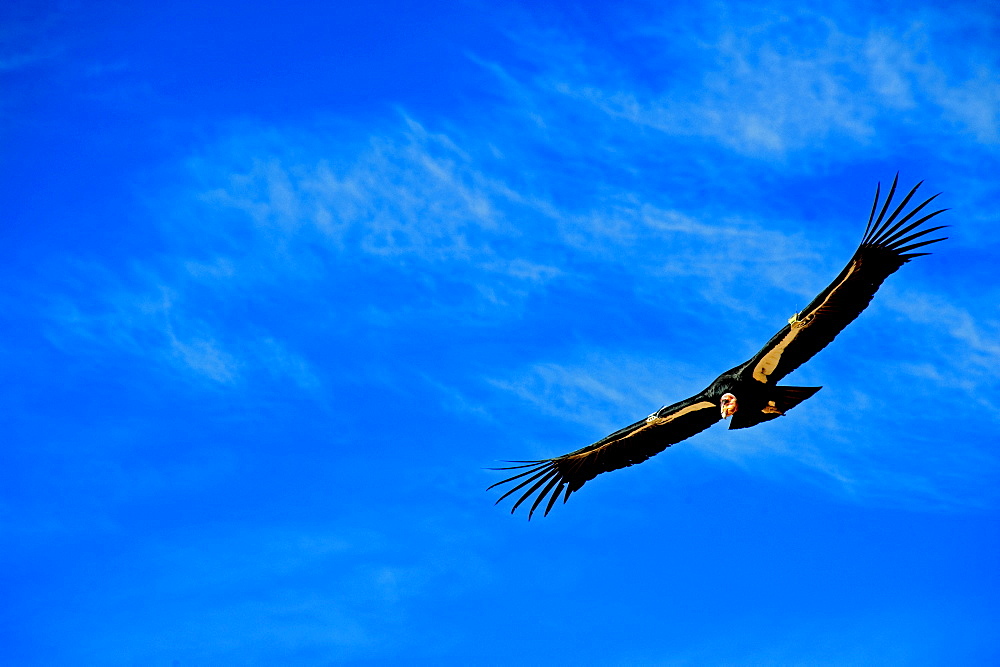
x,y
749,394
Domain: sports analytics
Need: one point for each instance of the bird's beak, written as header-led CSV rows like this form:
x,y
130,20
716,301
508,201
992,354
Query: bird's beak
x,y
727,406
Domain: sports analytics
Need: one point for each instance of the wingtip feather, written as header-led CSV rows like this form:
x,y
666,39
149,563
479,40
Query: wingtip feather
x,y
895,235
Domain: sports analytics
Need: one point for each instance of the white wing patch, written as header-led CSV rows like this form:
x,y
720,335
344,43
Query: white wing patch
x,y
653,420
770,361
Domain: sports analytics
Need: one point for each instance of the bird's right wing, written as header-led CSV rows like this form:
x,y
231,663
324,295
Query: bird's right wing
x,y
626,447
888,243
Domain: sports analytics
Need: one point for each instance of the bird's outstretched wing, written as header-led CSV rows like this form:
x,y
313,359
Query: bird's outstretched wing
x,y
632,444
887,245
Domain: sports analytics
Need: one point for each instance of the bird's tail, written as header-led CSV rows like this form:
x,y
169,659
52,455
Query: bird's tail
x,y
781,400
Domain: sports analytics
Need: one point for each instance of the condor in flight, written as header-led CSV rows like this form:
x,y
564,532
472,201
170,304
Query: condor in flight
x,y
748,393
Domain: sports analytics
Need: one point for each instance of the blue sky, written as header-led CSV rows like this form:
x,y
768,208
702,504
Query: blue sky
x,y
282,281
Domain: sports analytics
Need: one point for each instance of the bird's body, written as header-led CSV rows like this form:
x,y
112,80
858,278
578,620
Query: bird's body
x,y
748,393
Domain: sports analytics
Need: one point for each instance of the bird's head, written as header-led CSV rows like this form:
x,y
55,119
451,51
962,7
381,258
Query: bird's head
x,y
727,405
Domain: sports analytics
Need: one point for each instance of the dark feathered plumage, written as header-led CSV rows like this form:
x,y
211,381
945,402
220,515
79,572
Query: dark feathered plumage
x,y
750,388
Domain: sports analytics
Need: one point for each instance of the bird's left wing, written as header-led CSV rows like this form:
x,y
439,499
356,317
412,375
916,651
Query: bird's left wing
x,y
633,444
886,246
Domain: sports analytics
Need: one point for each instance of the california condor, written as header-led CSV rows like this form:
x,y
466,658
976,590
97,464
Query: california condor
x,y
749,393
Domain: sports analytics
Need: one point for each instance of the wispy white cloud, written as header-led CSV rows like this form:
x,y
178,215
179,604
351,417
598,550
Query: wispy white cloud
x,y
147,324
413,194
775,82
966,348
169,329
603,391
